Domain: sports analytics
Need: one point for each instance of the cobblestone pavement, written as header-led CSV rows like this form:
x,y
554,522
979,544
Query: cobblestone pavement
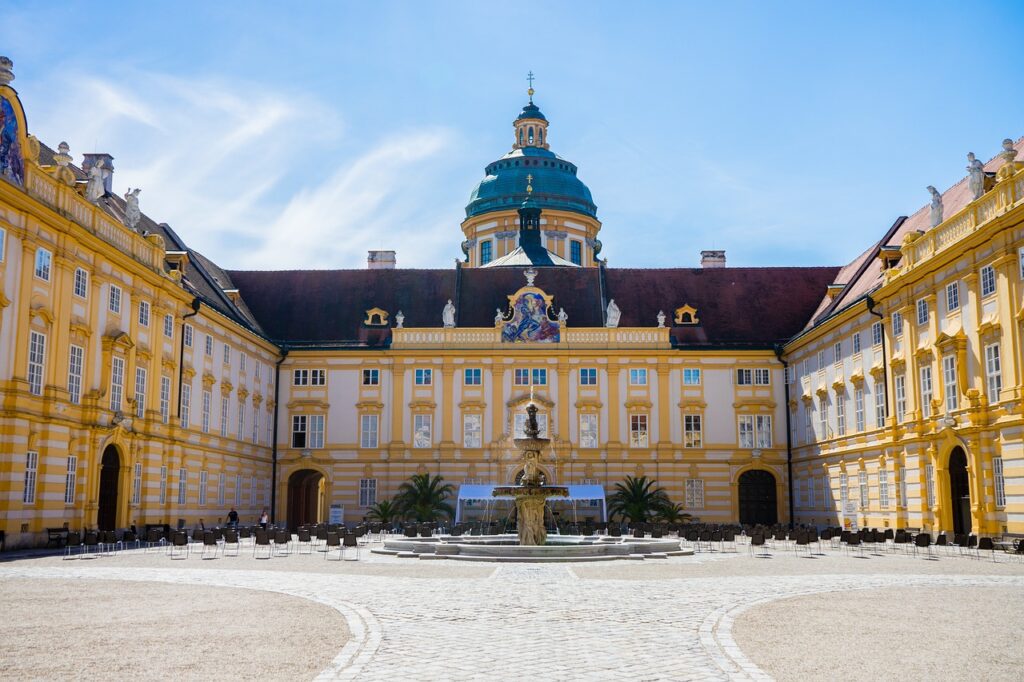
x,y
526,621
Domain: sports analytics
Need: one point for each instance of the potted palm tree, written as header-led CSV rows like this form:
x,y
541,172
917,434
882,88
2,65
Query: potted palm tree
x,y
424,498
637,500
385,511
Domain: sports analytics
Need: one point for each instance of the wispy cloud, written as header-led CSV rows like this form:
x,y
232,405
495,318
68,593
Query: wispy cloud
x,y
255,177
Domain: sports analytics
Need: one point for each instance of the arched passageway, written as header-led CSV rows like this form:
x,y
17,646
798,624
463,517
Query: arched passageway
x,y
110,475
306,497
959,491
757,503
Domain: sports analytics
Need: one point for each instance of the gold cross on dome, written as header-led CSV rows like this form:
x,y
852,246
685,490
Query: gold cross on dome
x,y
529,77
529,186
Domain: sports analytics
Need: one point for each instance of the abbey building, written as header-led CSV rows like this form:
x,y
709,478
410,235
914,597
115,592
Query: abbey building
x,y
143,383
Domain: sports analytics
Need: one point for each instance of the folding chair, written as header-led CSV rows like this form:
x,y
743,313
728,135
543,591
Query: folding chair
x,y
262,540
179,543
210,544
350,541
231,541
333,542
305,540
74,540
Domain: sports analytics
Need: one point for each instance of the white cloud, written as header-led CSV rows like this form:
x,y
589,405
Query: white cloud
x,y
255,177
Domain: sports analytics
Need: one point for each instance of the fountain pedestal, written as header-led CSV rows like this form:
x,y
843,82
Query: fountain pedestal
x,y
530,503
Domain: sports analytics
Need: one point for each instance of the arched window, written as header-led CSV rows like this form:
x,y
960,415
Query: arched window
x,y
485,252
520,136
540,135
530,135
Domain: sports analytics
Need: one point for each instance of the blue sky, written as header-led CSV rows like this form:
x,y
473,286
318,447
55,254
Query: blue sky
x,y
280,135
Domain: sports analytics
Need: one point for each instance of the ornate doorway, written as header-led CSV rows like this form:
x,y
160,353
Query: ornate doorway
x,y
306,498
757,503
959,491
110,479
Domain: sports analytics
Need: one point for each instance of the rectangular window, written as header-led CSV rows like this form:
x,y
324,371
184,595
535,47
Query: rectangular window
x,y
472,436
43,260
424,377
949,382
897,325
182,486
539,376
168,326
188,332
3,244
316,431
300,377
745,377
821,361
240,433
473,376
812,501
993,372
691,376
207,406
81,288
220,489
186,404
70,480
255,424
999,481
371,377
922,311
116,383
137,484
521,376
841,414
114,301
762,377
163,485
929,477
588,376
926,390
807,412
519,425
140,392
422,425
486,252
36,361
165,399
746,423
876,334
693,436
1020,259
763,425
823,417
988,281
576,252
144,313
638,431
844,494
75,359
241,362
28,494
855,342
883,490
224,416
879,393
638,377
238,490
367,492
952,297
694,493
858,409
901,491
862,479
318,377
589,434
368,430
227,354
208,348
204,481
901,397
830,496
299,430
837,353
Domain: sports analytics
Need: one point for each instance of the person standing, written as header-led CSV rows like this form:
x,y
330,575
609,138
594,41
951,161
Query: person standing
x,y
233,518
264,519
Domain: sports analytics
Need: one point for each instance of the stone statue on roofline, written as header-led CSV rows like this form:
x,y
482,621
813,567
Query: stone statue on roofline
x,y
399,320
132,214
94,189
661,319
448,315
563,316
975,176
612,314
499,316
936,207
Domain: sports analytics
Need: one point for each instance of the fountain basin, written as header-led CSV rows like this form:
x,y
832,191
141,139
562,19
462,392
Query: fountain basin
x,y
506,548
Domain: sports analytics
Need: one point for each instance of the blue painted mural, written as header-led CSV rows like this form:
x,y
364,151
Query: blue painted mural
x,y
530,321
11,165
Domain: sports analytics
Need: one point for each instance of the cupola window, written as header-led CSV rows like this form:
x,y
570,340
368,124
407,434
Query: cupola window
x,y
530,135
520,137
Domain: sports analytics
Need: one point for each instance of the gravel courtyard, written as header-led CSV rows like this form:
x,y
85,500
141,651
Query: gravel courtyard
x,y
716,616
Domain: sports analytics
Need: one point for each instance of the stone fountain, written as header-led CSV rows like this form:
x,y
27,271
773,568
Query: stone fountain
x,y
531,494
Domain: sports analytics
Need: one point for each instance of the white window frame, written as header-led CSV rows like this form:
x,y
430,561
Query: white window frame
x,y
590,433
80,289
189,333
137,484
999,481
238,490
169,326
371,377
472,376
923,311
114,299
949,382
224,409
744,377
745,429
840,414
897,325
367,492
208,346
876,334
369,430
693,431
539,376
140,392
472,430
588,376
855,343
317,377
694,498
691,376
204,482
221,485
207,407
763,430
901,489
116,383
823,418
227,355
163,485
639,430
71,480
36,362
763,376
28,493
927,389
858,409
423,430
186,404
423,376
638,376
952,297
987,281
165,399
878,393
182,486
900,383
993,372
883,489
254,489
300,431
316,432
837,353
865,495
300,377
144,313
929,476
44,264
76,360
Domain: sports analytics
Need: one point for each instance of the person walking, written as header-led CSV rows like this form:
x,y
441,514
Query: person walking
x,y
264,519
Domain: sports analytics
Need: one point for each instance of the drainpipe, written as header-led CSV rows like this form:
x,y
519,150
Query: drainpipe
x,y
885,372
196,303
273,449
789,431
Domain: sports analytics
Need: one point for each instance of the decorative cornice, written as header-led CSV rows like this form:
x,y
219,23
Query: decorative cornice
x,y
944,342
540,399
989,327
857,378
369,406
754,402
208,380
422,404
692,404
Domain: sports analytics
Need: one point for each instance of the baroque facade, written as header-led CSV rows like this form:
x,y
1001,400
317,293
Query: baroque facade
x,y
142,383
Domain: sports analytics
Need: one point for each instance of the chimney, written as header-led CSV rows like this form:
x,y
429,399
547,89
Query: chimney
x,y
712,259
108,168
380,260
